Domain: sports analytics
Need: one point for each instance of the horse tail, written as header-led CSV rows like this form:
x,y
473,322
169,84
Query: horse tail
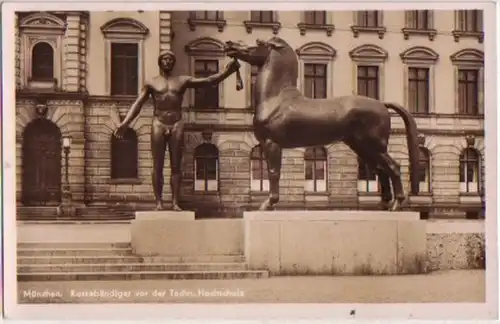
x,y
413,146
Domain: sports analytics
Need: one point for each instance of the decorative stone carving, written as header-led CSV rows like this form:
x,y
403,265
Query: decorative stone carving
x,y
41,110
471,141
207,135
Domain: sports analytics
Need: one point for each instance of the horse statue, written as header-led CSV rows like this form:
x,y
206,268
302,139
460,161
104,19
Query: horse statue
x,y
284,118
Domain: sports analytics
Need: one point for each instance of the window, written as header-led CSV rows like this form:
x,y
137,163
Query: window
x,y
124,44
315,68
468,23
418,19
206,167
419,22
124,156
469,78
418,89
315,20
207,18
124,69
470,20
368,18
469,171
315,80
315,17
367,178
259,175
262,19
38,62
368,22
468,91
42,62
262,16
368,81
206,97
370,61
206,56
419,72
207,15
254,71
315,169
425,170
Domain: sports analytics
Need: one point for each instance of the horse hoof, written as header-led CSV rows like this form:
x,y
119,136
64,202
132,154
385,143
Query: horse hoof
x,y
394,206
385,205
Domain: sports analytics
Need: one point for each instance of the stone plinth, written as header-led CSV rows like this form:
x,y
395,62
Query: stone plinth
x,y
175,234
335,242
154,215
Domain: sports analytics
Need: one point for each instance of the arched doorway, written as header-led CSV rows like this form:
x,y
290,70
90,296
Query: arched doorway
x,y
41,180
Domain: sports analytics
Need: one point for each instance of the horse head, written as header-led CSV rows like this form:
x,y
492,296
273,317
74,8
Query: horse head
x,y
253,55
273,54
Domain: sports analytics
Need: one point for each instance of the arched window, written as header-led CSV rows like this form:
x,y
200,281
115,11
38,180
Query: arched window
x,y
367,178
469,171
259,176
124,156
42,62
425,170
315,169
206,167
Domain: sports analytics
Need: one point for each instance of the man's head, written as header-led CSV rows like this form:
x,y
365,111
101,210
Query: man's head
x,y
166,61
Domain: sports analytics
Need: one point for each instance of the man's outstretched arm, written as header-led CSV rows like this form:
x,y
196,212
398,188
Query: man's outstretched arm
x,y
192,82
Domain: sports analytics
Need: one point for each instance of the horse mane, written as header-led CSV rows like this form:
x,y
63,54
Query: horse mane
x,y
286,58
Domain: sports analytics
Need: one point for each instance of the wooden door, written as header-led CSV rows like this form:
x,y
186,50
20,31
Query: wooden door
x,y
41,181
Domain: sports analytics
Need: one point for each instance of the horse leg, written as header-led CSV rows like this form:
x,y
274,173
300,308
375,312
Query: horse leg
x,y
370,158
392,168
272,153
385,188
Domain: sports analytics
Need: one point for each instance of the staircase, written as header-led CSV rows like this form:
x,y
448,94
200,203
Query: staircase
x,y
116,261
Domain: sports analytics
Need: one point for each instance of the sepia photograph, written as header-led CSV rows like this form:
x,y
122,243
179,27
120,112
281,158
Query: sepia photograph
x,y
250,157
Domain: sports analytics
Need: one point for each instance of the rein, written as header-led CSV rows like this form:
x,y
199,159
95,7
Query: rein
x,y
239,80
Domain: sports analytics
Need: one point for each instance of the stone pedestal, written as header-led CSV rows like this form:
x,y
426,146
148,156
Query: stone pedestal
x,y
178,234
335,242
154,215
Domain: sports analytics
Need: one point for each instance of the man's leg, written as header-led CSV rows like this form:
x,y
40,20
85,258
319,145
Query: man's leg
x,y
158,145
176,147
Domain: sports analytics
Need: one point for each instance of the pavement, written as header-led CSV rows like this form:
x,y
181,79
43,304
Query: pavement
x,y
437,287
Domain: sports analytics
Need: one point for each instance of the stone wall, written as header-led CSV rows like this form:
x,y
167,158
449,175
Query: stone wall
x,y
456,244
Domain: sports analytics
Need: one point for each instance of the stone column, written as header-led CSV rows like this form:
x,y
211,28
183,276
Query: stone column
x,y
71,64
18,52
165,31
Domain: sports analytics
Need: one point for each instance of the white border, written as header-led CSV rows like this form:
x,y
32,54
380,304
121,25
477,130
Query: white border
x,y
247,311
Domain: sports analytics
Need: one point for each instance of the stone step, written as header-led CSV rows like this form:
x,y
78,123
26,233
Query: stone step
x,y
58,259
144,275
106,259
87,213
130,267
217,258
73,252
71,245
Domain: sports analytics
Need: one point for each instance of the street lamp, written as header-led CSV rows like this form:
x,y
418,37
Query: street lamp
x,y
66,146
67,205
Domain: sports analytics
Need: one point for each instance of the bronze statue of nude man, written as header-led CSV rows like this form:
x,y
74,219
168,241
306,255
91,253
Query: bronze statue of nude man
x,y
167,92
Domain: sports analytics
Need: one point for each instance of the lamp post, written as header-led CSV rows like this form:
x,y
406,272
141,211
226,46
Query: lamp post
x,y
67,205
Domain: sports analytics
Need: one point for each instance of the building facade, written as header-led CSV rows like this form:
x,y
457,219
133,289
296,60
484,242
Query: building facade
x,y
77,74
